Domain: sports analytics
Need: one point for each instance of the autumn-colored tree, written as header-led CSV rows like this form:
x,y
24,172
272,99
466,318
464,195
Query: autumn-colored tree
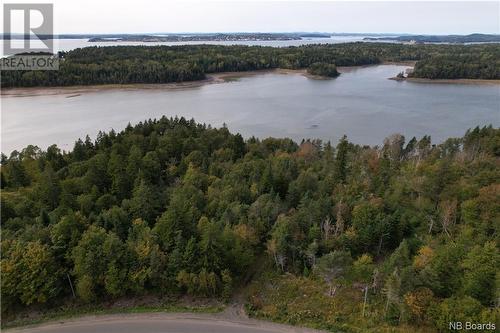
x,y
419,303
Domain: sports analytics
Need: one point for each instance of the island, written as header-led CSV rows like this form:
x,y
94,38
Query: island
x,y
233,37
177,37
452,39
324,70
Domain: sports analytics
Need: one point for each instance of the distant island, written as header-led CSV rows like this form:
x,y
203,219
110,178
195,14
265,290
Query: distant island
x,y
263,36
472,38
197,38
176,37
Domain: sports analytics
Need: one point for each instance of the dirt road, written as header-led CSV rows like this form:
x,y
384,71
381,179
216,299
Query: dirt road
x,y
161,323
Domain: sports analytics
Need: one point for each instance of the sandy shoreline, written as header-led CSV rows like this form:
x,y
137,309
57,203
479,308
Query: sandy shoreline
x,y
214,78
448,81
409,63
73,91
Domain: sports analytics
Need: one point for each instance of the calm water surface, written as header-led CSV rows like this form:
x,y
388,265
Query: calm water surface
x,y
362,103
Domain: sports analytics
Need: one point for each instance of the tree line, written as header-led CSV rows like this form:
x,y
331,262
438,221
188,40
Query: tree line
x,y
164,64
322,69
170,206
458,66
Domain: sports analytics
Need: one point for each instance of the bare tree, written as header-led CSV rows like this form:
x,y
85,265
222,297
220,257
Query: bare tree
x,y
281,259
431,223
310,253
332,267
448,215
327,228
392,291
272,249
341,210
393,147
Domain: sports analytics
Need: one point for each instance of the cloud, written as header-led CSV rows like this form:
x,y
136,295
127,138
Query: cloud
x,y
147,16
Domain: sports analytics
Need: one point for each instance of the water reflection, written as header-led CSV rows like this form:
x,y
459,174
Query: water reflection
x,y
362,103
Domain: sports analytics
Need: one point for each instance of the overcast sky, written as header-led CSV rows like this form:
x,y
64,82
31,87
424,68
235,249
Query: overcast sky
x,y
148,16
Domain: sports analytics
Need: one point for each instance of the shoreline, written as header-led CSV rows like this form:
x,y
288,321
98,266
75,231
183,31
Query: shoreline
x,y
409,63
212,78
447,81
215,78
73,91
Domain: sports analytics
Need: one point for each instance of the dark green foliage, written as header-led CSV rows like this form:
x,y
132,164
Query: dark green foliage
x,y
29,273
462,65
341,160
480,265
16,175
163,64
171,206
322,69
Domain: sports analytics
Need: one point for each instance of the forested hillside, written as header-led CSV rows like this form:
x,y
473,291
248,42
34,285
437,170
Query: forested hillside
x,y
164,64
409,230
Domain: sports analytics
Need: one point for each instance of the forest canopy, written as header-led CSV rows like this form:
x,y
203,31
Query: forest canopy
x,y
322,69
164,64
170,206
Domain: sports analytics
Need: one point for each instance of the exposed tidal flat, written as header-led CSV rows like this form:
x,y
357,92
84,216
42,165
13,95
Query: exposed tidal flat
x,y
448,81
361,103
76,90
223,77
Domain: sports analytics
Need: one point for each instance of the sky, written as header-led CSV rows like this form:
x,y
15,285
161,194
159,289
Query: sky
x,y
149,16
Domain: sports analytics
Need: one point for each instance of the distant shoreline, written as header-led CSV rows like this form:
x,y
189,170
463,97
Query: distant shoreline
x,y
213,78
409,63
447,81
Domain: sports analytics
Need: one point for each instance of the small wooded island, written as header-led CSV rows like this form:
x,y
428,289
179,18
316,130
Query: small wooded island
x,y
323,70
164,64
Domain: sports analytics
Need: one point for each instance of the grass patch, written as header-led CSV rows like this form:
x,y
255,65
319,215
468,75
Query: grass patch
x,y
304,302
